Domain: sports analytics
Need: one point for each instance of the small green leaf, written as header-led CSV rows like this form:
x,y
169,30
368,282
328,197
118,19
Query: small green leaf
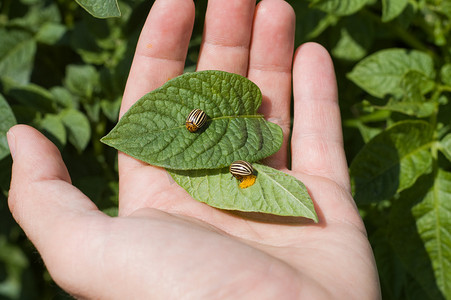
x,y
81,80
101,9
392,161
445,146
274,192
381,73
339,7
78,127
6,122
392,8
355,37
17,50
52,125
153,130
63,97
111,108
51,33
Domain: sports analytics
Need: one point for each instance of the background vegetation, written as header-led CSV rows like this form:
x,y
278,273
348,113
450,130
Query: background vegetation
x,y
63,71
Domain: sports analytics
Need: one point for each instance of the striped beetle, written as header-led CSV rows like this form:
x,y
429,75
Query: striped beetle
x,y
240,169
195,120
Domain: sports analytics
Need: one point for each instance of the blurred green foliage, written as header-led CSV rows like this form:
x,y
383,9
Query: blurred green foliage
x,y
63,71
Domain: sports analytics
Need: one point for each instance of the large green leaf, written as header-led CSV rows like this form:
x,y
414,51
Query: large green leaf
x,y
153,130
381,73
274,192
392,161
101,9
7,120
17,50
445,146
340,7
419,232
392,8
433,219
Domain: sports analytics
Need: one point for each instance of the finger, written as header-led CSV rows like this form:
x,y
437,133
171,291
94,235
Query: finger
x,y
317,141
42,199
270,66
160,55
227,33
161,50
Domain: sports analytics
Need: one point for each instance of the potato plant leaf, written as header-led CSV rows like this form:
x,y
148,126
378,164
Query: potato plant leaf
x,y
339,7
274,192
414,86
392,161
392,8
153,129
381,73
101,9
418,231
6,122
445,146
17,51
433,222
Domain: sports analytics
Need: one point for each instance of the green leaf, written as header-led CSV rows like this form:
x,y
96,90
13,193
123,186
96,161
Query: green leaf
x,y
274,192
63,97
54,129
414,86
34,96
433,221
339,7
111,108
392,8
50,33
310,22
413,222
445,74
78,127
81,80
17,50
101,9
6,122
392,161
445,146
355,37
153,130
381,73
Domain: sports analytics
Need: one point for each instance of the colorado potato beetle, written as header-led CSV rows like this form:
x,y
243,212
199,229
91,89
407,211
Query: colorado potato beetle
x,y
195,120
240,169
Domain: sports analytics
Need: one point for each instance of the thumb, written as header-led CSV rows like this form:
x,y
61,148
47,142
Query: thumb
x,y
42,199
41,188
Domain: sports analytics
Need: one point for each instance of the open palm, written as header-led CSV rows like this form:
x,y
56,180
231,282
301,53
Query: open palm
x,y
164,244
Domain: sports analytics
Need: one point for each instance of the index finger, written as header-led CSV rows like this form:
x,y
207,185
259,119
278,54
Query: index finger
x,y
160,55
161,50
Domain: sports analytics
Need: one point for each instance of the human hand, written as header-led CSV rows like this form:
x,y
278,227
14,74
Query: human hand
x,y
166,245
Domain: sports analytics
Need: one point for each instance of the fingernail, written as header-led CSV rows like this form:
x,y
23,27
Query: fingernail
x,y
11,142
